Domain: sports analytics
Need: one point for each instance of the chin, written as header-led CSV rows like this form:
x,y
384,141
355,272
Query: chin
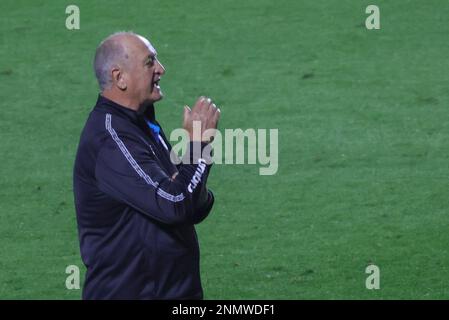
x,y
159,97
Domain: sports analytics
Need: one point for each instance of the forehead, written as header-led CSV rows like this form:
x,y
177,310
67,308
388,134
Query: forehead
x,y
148,45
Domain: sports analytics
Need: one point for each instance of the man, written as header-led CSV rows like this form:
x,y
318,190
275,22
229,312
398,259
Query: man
x,y
136,210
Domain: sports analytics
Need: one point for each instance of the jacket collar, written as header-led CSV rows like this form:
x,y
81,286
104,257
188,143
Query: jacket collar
x,y
135,116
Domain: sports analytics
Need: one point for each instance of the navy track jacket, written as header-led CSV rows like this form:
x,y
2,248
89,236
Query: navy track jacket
x,y
136,223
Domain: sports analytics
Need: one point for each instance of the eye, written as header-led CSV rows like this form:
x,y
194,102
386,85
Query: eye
x,y
150,62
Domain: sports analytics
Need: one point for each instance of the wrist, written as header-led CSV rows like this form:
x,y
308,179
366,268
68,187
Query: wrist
x,y
197,150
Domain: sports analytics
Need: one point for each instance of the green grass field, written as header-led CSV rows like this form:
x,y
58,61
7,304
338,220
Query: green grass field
x,y
363,140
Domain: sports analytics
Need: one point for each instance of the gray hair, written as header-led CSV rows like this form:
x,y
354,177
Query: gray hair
x,y
109,53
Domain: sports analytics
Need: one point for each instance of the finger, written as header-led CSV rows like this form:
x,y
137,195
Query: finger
x,y
199,103
209,102
187,111
187,114
204,101
208,108
212,108
201,109
217,117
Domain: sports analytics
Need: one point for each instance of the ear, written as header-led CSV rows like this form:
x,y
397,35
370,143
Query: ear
x,y
118,79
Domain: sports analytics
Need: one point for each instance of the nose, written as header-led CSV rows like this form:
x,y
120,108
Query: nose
x,y
160,68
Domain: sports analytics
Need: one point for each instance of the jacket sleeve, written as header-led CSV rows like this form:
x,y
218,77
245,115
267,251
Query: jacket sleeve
x,y
128,171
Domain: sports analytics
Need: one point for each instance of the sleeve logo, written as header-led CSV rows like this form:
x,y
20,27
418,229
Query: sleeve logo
x,y
197,176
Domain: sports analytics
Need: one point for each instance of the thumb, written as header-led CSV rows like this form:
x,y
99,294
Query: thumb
x,y
186,117
186,111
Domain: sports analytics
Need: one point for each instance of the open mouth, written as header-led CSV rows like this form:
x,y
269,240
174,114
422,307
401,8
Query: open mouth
x,y
156,83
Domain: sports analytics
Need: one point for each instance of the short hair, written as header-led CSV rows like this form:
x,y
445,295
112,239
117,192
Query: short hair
x,y
109,53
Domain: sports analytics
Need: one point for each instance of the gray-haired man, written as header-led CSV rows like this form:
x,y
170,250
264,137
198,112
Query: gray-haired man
x,y
136,210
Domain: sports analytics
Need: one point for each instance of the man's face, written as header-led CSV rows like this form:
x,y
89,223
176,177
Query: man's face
x,y
144,72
